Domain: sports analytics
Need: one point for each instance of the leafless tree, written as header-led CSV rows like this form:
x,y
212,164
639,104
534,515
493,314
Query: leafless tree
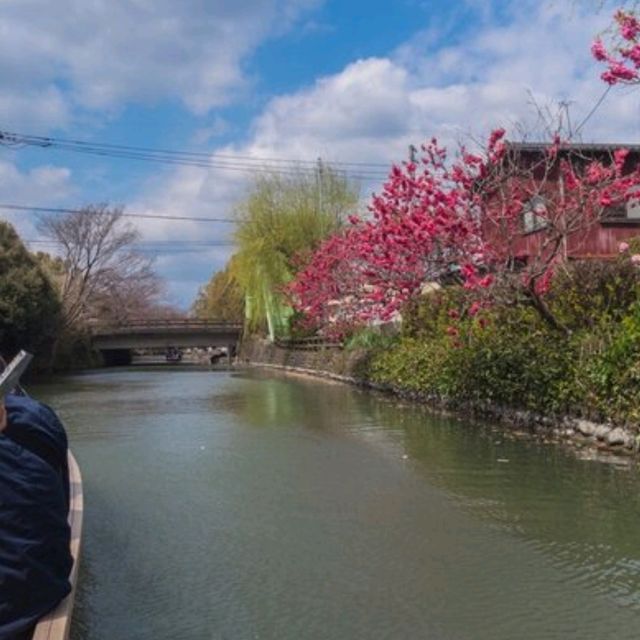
x,y
104,276
131,292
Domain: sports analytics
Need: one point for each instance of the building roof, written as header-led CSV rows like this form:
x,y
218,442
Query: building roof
x,y
573,146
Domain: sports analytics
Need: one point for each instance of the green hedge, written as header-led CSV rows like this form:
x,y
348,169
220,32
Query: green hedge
x,y
510,357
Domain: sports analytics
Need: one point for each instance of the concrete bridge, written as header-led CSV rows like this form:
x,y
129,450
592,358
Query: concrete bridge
x,y
117,341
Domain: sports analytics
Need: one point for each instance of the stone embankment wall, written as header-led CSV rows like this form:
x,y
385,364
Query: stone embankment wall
x,y
334,363
351,367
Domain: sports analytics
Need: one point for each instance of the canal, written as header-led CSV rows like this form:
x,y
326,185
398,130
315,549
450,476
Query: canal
x,y
255,506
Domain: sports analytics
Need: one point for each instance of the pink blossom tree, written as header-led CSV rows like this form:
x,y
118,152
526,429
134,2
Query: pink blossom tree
x,y
499,222
422,226
622,56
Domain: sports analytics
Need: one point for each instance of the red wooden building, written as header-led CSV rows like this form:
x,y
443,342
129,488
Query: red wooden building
x,y
600,239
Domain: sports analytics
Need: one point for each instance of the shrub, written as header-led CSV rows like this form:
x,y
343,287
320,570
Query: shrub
x,y
611,378
594,294
508,356
370,338
515,360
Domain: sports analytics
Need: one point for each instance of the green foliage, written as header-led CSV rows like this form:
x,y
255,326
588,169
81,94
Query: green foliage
x,y
221,298
370,338
507,356
594,293
413,364
612,374
518,364
29,307
428,315
283,218
73,350
299,327
515,360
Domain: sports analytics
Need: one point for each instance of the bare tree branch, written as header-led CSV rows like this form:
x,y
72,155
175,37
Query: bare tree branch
x,y
104,276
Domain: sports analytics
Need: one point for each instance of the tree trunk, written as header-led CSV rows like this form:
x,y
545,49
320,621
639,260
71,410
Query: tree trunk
x,y
545,313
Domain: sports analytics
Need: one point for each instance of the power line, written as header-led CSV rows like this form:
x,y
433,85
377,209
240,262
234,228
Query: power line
x,y
152,243
48,246
595,107
159,250
227,162
151,216
17,138
242,167
170,243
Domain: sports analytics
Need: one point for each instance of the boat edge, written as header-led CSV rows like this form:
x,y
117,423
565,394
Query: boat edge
x,y
57,623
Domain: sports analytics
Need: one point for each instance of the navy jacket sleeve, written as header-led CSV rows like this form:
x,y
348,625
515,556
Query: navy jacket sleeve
x,y
35,560
36,427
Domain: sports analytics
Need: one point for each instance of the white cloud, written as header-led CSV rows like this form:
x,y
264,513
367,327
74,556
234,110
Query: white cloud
x,y
375,107
186,272
33,108
39,186
190,192
108,52
368,99
218,127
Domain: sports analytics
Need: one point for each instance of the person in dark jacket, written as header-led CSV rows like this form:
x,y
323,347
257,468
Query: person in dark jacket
x,y
35,558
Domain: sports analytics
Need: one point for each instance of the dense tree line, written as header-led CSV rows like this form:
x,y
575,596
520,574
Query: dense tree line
x,y
48,303
30,309
221,298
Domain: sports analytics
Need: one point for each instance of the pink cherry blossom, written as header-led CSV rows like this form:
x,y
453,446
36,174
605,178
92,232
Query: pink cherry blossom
x,y
599,51
623,57
628,25
474,308
441,221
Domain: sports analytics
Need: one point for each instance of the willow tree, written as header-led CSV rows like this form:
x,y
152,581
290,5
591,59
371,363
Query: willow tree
x,y
283,219
221,298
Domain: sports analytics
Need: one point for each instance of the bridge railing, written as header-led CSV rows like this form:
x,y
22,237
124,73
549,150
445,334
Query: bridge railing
x,y
138,324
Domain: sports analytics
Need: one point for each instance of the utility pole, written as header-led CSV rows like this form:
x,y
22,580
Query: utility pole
x,y
320,178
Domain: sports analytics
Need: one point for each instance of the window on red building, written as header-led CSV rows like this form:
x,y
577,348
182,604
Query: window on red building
x,y
534,215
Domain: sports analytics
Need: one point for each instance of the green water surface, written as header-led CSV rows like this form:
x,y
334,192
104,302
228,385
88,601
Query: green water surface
x,y
237,506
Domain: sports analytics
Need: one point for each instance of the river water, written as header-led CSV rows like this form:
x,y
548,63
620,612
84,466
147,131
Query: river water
x,y
256,506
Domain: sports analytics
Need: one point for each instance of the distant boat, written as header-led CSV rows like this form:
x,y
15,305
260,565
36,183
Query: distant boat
x,y
57,623
173,355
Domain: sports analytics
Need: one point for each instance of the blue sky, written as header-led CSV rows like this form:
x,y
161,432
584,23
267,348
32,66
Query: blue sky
x,y
343,80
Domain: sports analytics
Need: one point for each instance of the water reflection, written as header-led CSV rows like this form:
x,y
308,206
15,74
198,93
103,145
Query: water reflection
x,y
582,513
259,506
